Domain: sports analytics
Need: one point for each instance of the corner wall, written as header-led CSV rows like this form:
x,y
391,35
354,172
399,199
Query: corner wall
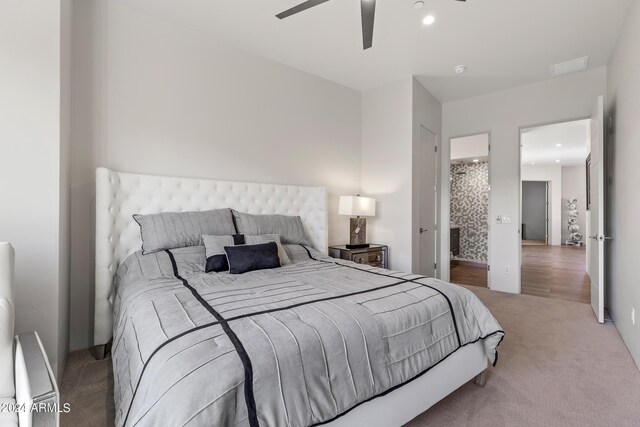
x,y
392,116
34,172
427,113
623,140
387,156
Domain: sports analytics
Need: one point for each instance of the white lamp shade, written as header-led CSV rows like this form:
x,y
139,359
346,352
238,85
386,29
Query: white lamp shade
x,y
357,206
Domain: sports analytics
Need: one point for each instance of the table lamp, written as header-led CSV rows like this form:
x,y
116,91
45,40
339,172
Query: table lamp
x,y
359,207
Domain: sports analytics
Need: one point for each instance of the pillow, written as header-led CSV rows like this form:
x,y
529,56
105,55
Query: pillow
x,y
245,258
170,230
298,253
290,228
214,251
266,238
217,258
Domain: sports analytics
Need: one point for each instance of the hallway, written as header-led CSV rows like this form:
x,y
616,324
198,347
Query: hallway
x,y
555,272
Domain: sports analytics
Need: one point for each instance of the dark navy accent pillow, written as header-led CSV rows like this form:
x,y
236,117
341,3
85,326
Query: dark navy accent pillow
x,y
216,257
245,258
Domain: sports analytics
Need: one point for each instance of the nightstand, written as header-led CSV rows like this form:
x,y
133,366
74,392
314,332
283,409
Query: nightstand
x,y
374,255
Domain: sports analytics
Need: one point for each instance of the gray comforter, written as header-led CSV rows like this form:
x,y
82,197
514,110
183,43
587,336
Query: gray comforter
x,y
293,346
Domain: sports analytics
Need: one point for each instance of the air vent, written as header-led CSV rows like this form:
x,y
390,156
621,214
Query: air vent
x,y
569,67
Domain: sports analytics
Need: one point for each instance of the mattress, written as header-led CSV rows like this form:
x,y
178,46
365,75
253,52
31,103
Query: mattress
x,y
293,346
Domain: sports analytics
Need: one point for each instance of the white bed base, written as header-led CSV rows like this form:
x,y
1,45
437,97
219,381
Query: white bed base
x,y
407,402
120,195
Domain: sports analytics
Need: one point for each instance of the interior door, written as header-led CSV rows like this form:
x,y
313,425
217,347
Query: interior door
x,y
428,205
596,231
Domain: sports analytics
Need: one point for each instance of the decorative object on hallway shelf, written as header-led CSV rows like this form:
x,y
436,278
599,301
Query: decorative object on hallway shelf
x,y
575,238
357,206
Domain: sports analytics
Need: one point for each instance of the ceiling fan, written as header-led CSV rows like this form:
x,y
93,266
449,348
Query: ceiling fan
x,y
368,8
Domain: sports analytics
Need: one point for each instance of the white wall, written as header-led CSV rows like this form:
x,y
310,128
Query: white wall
x,y
503,114
34,165
387,150
623,291
553,175
153,97
574,184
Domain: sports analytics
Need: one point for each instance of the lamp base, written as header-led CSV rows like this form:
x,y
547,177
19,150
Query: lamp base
x,y
360,246
358,232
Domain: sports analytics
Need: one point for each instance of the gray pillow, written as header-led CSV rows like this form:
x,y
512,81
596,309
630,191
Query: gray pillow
x,y
290,228
168,230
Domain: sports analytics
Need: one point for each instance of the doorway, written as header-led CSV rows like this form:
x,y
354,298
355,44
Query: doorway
x,y
428,194
469,210
535,212
553,210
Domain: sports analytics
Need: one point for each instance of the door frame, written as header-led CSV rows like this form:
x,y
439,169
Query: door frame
x,y
445,243
520,129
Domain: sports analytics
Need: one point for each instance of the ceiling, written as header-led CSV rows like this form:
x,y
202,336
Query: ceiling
x,y
539,144
504,43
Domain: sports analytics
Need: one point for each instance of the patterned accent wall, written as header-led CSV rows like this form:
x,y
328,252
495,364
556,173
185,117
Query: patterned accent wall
x,y
470,209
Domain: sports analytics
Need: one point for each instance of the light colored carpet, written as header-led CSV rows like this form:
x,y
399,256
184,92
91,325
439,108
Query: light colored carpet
x,y
557,367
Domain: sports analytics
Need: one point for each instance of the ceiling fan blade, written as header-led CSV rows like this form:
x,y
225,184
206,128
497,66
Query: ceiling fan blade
x,y
299,8
368,8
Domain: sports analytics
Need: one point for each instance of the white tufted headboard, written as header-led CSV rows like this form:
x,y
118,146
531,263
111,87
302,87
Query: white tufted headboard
x,y
120,195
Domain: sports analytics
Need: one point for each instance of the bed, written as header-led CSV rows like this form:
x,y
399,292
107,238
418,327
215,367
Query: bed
x,y
318,341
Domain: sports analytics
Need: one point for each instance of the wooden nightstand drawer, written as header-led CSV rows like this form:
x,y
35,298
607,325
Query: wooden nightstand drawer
x,y
375,255
368,258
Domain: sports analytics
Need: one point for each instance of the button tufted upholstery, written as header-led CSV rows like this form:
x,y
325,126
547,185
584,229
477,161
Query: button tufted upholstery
x,y
120,195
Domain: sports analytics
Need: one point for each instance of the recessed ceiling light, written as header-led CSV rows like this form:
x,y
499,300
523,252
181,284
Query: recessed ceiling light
x,y
459,69
558,145
429,19
475,160
418,5
557,161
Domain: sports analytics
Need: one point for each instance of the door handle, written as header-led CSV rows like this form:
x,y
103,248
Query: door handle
x,y
601,238
423,230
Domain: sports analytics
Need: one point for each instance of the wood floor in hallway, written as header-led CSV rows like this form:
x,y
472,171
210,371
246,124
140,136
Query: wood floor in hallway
x,y
469,275
555,272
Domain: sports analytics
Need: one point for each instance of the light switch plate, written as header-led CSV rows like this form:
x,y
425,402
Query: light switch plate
x,y
506,219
